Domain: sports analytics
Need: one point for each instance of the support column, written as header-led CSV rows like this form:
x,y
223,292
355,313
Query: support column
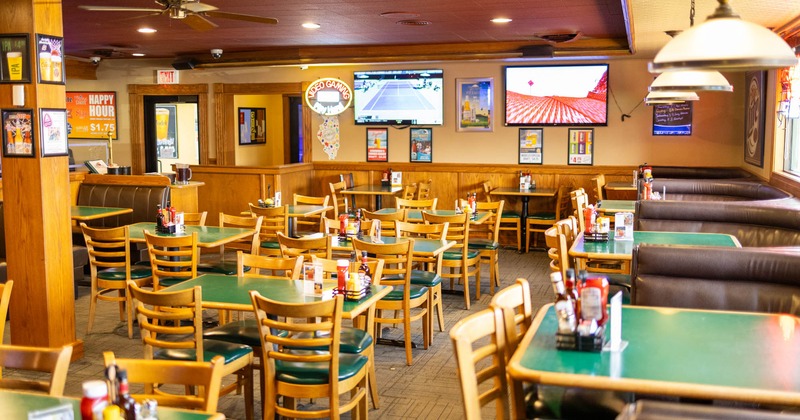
x,y
37,202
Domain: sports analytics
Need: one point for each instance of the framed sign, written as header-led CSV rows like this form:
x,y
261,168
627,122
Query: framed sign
x,y
581,146
50,54
91,115
252,126
167,131
15,58
672,119
53,132
377,144
18,132
475,107
754,119
421,145
531,144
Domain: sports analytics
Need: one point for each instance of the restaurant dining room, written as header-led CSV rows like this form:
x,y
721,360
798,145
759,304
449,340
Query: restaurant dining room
x,y
574,210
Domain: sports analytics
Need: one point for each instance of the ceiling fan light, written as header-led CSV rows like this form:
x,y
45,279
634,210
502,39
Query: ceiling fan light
x,y
177,13
691,80
724,42
673,96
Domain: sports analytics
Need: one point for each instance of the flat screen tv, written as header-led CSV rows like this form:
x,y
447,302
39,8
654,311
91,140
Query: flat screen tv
x,y
398,97
574,95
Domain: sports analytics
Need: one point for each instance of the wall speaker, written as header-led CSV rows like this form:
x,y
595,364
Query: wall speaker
x,y
184,63
537,51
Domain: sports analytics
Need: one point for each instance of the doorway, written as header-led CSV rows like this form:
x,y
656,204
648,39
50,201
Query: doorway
x,y
171,131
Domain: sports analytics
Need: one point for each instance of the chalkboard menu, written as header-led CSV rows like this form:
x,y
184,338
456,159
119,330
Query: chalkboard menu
x,y
672,119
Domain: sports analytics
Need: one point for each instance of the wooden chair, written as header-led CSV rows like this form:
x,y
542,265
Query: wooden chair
x,y
295,373
485,238
338,199
292,247
510,220
305,225
598,183
172,329
405,297
552,237
430,275
387,220
54,361
195,219
331,226
539,222
291,268
468,262
249,244
580,201
410,191
424,189
428,204
173,259
273,220
110,269
204,378
5,299
480,348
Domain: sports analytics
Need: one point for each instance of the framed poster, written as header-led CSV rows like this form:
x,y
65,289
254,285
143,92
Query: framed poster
x,y
377,144
252,126
475,107
50,54
672,119
18,132
421,145
53,132
91,115
531,144
15,58
581,146
166,131
754,121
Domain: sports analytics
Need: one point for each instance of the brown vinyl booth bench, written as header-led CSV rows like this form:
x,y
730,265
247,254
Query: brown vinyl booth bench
x,y
716,190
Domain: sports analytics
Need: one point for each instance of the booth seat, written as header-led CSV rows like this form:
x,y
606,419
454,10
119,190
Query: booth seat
x,y
752,224
142,193
717,278
716,190
690,172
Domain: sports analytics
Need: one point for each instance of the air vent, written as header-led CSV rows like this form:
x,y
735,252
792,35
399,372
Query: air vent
x,y
400,15
413,22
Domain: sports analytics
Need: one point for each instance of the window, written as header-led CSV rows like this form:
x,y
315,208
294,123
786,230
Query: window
x,y
791,154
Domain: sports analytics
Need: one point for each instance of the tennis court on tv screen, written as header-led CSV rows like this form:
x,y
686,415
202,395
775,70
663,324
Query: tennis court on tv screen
x,y
400,98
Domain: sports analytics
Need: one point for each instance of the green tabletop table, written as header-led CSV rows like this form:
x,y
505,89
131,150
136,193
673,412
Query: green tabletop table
x,y
609,207
681,352
207,236
526,196
620,190
84,213
376,190
17,405
623,250
416,215
422,247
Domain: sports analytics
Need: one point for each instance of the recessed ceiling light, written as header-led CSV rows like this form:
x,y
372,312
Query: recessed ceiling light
x,y
138,54
310,25
146,30
501,20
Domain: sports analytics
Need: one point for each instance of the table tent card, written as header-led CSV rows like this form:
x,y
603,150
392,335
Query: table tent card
x,y
623,226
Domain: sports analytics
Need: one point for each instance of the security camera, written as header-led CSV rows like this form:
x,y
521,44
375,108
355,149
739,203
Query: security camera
x,y
95,60
216,53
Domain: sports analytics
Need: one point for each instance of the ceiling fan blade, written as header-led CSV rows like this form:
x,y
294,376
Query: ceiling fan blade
x,y
239,16
199,23
119,9
198,7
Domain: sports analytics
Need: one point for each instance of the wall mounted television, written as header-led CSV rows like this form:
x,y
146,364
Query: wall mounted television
x,y
398,97
573,95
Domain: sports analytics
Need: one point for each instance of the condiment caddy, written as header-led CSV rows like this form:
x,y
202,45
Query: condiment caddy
x,y
581,311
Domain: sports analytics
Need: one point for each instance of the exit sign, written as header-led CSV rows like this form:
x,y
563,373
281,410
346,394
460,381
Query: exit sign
x,y
166,77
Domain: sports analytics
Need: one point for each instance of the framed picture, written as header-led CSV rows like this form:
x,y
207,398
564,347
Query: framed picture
x,y
166,131
581,146
377,144
252,126
15,58
421,145
50,58
18,132
754,119
531,144
92,115
475,111
53,132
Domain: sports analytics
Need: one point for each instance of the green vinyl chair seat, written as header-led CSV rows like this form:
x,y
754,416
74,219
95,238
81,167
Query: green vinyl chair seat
x,y
317,373
483,244
211,348
419,278
542,216
270,245
352,340
414,293
456,255
118,274
227,268
510,215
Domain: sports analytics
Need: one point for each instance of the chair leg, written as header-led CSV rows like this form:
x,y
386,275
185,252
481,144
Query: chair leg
x,y
427,329
372,380
519,238
437,305
407,334
248,392
465,279
129,308
92,307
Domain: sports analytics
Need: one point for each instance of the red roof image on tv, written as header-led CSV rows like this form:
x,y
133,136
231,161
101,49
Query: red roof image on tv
x,y
557,95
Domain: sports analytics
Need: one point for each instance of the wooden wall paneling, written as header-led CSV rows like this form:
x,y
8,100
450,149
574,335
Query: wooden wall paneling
x,y
136,113
227,192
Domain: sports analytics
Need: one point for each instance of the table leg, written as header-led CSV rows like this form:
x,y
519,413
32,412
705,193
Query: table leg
x,y
378,202
292,233
523,225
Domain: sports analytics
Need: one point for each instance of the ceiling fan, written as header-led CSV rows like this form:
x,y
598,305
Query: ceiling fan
x,y
190,12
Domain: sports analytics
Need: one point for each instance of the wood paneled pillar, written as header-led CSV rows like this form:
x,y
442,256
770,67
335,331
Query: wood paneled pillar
x,y
37,203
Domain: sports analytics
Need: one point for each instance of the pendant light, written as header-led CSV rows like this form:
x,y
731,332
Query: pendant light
x,y
724,42
670,97
692,80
